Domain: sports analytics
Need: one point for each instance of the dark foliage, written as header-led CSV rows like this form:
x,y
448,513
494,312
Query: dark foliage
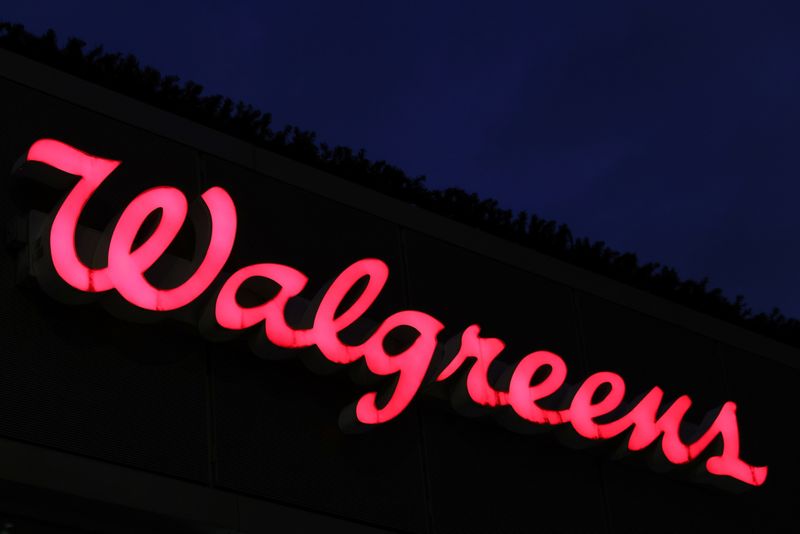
x,y
124,75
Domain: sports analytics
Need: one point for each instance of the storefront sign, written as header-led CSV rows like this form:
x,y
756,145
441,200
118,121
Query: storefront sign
x,y
599,395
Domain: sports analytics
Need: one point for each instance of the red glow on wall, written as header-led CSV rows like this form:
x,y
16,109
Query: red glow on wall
x,y
539,376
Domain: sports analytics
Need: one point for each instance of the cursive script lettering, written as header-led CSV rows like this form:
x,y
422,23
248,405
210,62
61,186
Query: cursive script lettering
x,y
409,366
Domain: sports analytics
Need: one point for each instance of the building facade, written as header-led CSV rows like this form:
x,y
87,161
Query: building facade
x,y
115,419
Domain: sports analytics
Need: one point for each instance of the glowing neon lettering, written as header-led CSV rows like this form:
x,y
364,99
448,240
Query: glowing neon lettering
x,y
92,172
483,351
523,396
127,265
229,314
410,365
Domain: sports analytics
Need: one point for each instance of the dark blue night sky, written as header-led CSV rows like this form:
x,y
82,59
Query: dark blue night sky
x,y
663,128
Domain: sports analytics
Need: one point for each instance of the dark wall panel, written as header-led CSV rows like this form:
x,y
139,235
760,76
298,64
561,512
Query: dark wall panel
x,y
643,500
279,223
277,433
76,378
462,288
765,394
277,437
647,352
485,478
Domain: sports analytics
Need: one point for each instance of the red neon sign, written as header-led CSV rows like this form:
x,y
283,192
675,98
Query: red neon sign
x,y
646,422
